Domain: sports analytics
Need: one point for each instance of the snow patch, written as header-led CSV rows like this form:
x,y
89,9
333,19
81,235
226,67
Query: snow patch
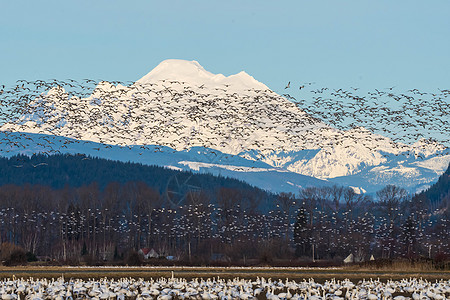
x,y
437,164
194,165
358,190
174,168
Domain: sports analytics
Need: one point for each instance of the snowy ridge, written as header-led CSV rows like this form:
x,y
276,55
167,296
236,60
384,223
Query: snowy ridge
x,y
182,71
180,105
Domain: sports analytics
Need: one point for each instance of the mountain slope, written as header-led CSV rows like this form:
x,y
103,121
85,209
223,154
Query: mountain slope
x,y
196,159
438,195
61,171
180,105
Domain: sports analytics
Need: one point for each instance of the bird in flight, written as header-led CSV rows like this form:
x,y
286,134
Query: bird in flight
x,y
288,85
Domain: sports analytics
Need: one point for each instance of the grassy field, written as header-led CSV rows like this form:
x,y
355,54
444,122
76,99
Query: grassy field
x,y
318,274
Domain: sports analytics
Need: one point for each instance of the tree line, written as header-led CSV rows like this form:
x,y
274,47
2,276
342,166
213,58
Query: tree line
x,y
328,223
217,218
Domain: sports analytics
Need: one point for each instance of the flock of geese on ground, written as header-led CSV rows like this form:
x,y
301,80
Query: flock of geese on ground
x,y
217,288
158,111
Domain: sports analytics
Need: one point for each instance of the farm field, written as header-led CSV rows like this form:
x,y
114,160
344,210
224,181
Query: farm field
x,y
148,272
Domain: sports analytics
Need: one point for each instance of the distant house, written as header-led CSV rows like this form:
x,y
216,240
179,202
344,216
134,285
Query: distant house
x,y
354,259
349,259
148,253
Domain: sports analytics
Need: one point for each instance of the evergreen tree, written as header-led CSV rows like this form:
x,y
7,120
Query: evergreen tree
x,y
84,249
302,238
409,235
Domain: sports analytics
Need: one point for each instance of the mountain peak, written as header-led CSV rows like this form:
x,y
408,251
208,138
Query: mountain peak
x,y
176,69
193,73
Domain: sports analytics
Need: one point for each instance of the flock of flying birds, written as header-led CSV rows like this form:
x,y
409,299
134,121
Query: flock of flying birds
x,y
157,112
406,116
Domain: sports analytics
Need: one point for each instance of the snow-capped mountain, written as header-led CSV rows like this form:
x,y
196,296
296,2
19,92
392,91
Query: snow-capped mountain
x,y
181,106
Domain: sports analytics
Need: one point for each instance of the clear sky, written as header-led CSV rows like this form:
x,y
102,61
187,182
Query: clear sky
x,y
365,43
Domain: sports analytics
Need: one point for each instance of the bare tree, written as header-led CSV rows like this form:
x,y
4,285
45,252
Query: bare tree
x,y
286,202
390,198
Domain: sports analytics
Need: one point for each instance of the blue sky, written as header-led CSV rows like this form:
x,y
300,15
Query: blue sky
x,y
370,44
